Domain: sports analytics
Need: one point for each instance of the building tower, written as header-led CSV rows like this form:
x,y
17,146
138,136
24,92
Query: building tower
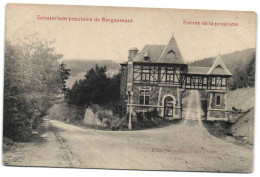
x,y
219,74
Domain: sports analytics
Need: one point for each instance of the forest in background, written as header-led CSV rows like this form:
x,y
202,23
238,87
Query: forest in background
x,y
240,63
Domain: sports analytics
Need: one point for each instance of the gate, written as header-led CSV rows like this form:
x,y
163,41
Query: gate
x,y
168,107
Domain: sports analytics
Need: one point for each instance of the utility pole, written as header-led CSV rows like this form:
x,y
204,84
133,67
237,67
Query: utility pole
x,y
130,111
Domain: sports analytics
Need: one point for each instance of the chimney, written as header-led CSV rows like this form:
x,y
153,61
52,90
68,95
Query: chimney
x,y
132,53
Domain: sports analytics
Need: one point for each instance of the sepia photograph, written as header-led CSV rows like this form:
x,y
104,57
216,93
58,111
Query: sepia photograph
x,y
129,88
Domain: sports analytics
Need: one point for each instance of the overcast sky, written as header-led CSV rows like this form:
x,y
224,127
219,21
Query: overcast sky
x,y
96,40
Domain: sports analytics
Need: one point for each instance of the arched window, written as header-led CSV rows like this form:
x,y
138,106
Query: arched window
x,y
168,106
218,100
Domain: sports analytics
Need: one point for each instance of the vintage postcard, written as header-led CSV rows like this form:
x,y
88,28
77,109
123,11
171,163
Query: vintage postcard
x,y
129,88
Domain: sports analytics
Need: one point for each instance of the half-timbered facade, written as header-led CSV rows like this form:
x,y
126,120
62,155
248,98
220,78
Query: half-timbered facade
x,y
155,77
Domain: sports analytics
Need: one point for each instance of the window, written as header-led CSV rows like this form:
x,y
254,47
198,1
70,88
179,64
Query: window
x,y
219,67
218,101
145,74
205,81
144,97
188,80
213,81
171,51
196,80
218,81
169,77
146,58
223,81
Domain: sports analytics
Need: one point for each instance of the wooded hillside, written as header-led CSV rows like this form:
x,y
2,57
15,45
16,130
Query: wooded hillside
x,y
240,63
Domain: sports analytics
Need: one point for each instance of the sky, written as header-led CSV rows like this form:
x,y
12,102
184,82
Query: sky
x,y
104,40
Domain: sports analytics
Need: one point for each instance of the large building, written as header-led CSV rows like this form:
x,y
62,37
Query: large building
x,y
154,80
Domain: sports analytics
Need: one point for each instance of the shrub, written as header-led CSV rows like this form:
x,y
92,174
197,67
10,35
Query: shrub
x,y
139,116
148,115
95,108
104,113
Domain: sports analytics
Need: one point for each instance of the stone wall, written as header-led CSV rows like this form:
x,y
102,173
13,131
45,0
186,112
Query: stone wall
x,y
154,92
168,90
222,100
216,112
143,109
154,95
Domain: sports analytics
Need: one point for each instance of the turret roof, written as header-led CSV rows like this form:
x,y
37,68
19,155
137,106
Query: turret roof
x,y
169,53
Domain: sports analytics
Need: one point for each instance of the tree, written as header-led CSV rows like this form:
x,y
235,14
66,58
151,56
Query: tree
x,y
243,76
15,122
64,75
114,87
251,72
95,88
239,78
92,89
33,79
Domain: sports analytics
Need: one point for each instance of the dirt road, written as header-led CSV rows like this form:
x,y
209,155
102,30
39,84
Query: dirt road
x,y
180,146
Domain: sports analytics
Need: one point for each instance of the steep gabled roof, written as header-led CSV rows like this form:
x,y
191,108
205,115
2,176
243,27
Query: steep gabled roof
x,y
154,52
171,53
219,68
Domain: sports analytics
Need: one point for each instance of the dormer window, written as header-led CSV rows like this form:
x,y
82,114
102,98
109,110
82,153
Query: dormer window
x,y
147,56
171,51
218,66
171,56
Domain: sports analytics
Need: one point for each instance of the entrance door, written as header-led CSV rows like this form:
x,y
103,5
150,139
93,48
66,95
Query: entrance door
x,y
168,107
